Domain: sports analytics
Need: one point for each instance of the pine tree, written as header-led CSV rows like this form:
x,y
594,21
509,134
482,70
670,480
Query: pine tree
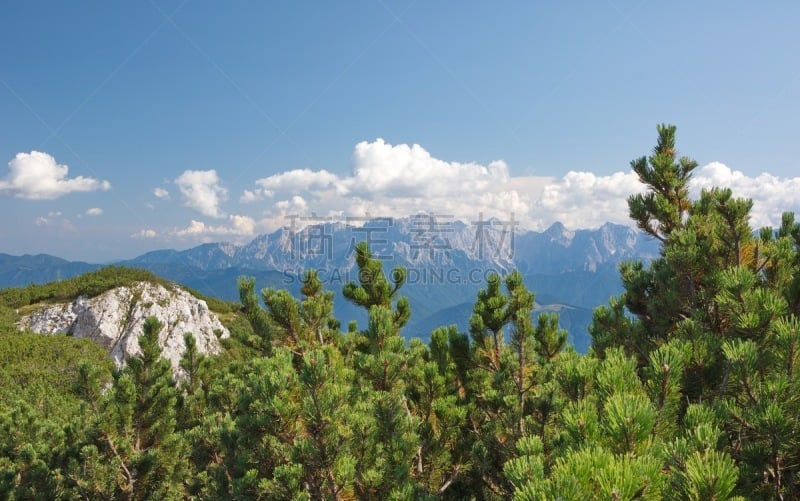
x,y
713,327
262,339
662,209
324,449
306,324
290,434
135,451
509,392
193,385
385,442
375,289
437,395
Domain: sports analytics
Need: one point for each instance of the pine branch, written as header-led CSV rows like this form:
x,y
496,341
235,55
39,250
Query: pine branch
x,y
420,468
449,481
129,476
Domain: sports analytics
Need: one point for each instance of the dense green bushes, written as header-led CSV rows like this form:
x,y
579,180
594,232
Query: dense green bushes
x,y
691,389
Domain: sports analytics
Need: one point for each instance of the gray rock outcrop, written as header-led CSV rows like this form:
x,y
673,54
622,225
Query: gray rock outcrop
x,y
115,320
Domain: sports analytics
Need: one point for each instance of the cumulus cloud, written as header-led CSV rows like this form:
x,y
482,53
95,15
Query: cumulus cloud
x,y
145,234
771,195
297,180
194,228
583,199
37,176
94,211
249,196
236,227
292,182
161,193
586,200
295,205
202,191
397,180
411,171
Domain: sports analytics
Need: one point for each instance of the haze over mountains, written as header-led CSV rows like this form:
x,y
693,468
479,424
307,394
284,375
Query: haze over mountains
x,y
571,272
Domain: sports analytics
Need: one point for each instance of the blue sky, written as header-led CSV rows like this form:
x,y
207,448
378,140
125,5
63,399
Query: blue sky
x,y
189,121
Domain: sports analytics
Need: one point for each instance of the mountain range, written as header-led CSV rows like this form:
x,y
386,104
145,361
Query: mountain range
x,y
447,260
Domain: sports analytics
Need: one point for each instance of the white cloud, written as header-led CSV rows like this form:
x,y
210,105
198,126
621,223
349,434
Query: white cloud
x,y
290,182
49,219
249,196
145,233
194,228
238,227
161,193
37,176
410,171
586,200
94,211
295,205
397,180
297,180
202,191
771,195
583,199
242,225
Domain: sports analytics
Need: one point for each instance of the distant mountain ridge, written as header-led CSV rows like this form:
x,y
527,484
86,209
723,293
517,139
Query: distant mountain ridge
x,y
17,271
447,260
413,244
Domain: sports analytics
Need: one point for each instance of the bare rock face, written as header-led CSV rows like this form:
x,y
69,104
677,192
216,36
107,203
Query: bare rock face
x,y
115,320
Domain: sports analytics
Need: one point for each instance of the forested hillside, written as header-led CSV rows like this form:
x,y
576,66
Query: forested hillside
x,y
691,389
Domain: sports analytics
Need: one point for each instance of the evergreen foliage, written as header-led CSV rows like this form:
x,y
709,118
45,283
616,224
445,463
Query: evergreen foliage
x,y
690,390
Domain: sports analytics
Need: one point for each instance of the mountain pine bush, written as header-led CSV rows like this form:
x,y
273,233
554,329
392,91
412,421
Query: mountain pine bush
x,y
691,389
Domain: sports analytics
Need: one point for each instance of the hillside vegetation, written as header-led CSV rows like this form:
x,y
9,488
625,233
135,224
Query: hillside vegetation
x,y
90,285
691,389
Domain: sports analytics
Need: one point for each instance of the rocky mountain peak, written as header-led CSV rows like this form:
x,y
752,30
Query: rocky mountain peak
x,y
115,320
559,234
